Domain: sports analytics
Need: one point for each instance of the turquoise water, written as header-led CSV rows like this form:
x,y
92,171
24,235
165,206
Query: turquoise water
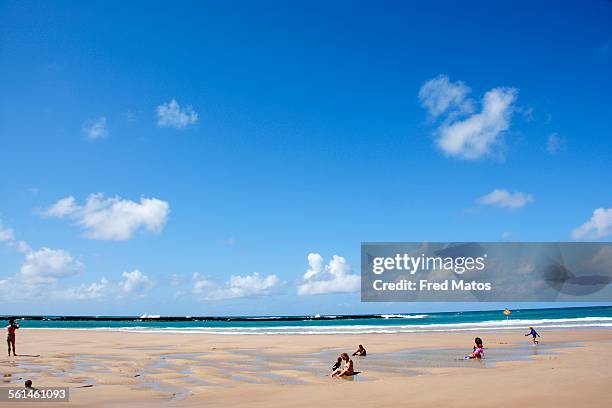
x,y
559,318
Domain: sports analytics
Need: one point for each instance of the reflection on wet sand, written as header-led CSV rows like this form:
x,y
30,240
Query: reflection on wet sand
x,y
177,375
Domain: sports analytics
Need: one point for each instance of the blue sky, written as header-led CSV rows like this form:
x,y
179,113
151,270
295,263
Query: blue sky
x,y
217,140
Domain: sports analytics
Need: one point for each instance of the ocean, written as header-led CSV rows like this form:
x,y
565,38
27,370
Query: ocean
x,y
557,318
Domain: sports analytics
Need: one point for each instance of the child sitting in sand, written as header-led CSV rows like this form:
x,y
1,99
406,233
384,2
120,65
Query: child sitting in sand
x,y
337,364
478,349
347,370
360,351
10,335
533,333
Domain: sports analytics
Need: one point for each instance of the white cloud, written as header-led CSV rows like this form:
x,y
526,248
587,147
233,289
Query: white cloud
x,y
474,136
135,282
48,265
597,227
440,94
40,270
112,218
317,266
335,277
555,143
65,206
172,115
505,199
463,134
200,284
92,291
237,287
6,234
95,129
43,271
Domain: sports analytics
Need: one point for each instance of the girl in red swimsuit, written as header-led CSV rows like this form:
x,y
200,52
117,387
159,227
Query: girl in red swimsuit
x,y
10,335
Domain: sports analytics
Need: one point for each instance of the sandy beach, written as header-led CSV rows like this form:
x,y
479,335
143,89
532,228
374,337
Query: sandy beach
x,y
104,368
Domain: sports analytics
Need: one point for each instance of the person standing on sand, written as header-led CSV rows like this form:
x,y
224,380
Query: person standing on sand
x,y
10,335
533,333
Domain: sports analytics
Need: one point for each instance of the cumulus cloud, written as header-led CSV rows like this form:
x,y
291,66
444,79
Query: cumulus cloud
x,y
63,207
40,269
335,277
440,94
48,265
506,199
317,266
131,283
45,265
95,129
555,143
237,287
172,115
92,291
112,218
474,136
200,284
135,283
6,234
44,272
464,134
597,227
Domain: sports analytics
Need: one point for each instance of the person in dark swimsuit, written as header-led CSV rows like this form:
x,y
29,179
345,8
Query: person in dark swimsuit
x,y
360,351
338,364
10,335
533,333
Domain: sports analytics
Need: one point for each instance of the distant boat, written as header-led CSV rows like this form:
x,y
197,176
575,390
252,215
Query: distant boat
x,y
148,316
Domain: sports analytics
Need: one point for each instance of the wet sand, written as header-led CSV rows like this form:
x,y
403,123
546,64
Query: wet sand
x,y
569,368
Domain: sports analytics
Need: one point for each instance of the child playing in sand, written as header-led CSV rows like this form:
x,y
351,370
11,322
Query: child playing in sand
x,y
360,351
10,335
478,349
337,364
347,370
533,333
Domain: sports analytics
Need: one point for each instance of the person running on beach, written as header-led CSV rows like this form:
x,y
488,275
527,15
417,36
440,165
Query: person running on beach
x,y
360,351
478,349
10,335
347,370
533,333
337,364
